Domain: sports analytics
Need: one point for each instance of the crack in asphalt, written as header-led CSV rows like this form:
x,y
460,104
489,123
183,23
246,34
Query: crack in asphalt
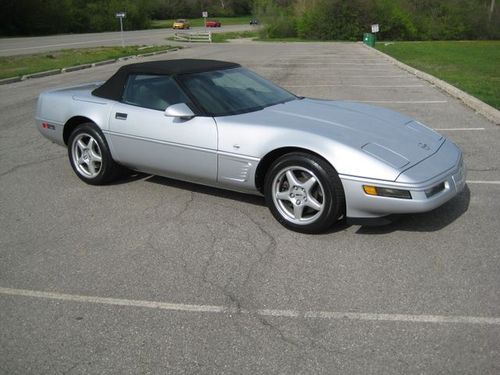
x,y
13,169
240,304
184,209
314,341
274,328
236,303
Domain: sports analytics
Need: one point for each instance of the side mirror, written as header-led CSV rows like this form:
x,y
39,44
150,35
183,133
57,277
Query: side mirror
x,y
179,110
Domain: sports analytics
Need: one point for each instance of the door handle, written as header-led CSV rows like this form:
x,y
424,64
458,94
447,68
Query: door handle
x,y
120,116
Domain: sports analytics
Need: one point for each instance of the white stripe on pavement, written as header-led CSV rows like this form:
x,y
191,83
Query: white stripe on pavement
x,y
368,86
400,101
364,77
460,129
326,315
483,182
327,63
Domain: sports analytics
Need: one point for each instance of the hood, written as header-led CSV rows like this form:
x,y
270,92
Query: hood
x,y
386,135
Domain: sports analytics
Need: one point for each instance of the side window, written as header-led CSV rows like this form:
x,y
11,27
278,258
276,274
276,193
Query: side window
x,y
153,91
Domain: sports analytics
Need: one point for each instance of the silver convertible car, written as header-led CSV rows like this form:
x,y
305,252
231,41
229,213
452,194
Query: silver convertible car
x,y
216,123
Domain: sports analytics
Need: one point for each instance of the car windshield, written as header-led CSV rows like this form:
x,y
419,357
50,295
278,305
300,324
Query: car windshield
x,y
233,91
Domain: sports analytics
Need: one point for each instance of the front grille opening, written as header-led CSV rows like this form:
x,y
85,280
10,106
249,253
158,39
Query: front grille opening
x,y
434,190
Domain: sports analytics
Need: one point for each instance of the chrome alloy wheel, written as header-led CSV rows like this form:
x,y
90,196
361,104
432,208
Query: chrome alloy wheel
x,y
87,156
298,195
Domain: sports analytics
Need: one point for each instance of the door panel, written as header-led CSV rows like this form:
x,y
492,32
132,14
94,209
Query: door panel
x,y
147,140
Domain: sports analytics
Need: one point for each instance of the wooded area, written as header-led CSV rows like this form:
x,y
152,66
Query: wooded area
x,y
41,17
308,19
398,19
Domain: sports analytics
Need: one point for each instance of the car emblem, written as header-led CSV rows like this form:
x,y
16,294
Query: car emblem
x,y
424,146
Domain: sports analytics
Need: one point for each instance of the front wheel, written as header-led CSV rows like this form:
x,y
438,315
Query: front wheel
x,y
304,193
89,156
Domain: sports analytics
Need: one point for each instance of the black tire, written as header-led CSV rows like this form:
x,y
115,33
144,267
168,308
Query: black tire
x,y
322,200
90,169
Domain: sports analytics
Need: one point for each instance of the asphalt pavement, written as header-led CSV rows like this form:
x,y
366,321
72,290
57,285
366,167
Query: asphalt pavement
x,y
151,275
29,45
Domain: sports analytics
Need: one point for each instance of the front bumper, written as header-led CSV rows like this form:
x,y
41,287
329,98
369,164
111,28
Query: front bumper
x,y
426,196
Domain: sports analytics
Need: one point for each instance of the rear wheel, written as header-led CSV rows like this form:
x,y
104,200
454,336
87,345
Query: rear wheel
x,y
304,193
89,156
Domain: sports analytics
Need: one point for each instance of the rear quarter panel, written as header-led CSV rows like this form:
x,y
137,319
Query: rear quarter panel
x,y
56,107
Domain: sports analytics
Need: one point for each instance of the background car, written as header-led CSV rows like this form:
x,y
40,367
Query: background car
x,y
254,21
181,24
213,23
219,124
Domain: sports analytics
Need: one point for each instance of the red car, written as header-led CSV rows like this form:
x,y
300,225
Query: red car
x,y
213,23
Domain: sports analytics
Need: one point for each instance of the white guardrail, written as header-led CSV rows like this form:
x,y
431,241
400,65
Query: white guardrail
x,y
193,37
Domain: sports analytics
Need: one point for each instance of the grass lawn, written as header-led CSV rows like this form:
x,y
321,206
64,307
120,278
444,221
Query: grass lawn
x,y
472,66
13,66
225,21
223,37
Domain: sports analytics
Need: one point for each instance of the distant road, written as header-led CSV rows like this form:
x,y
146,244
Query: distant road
x,y
29,45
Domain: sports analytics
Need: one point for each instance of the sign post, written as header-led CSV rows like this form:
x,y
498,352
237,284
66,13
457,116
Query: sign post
x,y
121,16
205,15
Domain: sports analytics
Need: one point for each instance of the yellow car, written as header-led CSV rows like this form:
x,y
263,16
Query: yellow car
x,y
180,24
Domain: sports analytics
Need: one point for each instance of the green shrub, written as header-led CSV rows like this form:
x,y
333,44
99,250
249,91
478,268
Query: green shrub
x,y
279,21
396,21
327,20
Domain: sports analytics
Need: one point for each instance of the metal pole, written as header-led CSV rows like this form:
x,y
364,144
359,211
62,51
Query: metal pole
x,y
121,28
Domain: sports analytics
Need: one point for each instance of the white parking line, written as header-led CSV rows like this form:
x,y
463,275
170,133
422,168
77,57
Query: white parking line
x,y
336,56
367,86
330,55
460,129
326,315
336,72
329,63
342,69
367,77
483,182
399,101
364,77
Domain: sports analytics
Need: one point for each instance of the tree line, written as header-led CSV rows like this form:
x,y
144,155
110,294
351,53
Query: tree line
x,y
308,19
398,19
42,17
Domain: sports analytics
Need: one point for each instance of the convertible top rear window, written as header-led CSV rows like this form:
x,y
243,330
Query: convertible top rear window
x,y
233,91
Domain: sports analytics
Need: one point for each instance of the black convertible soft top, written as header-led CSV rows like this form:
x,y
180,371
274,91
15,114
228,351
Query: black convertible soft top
x,y
113,87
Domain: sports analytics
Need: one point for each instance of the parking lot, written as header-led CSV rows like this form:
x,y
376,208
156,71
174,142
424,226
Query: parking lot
x,y
151,275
